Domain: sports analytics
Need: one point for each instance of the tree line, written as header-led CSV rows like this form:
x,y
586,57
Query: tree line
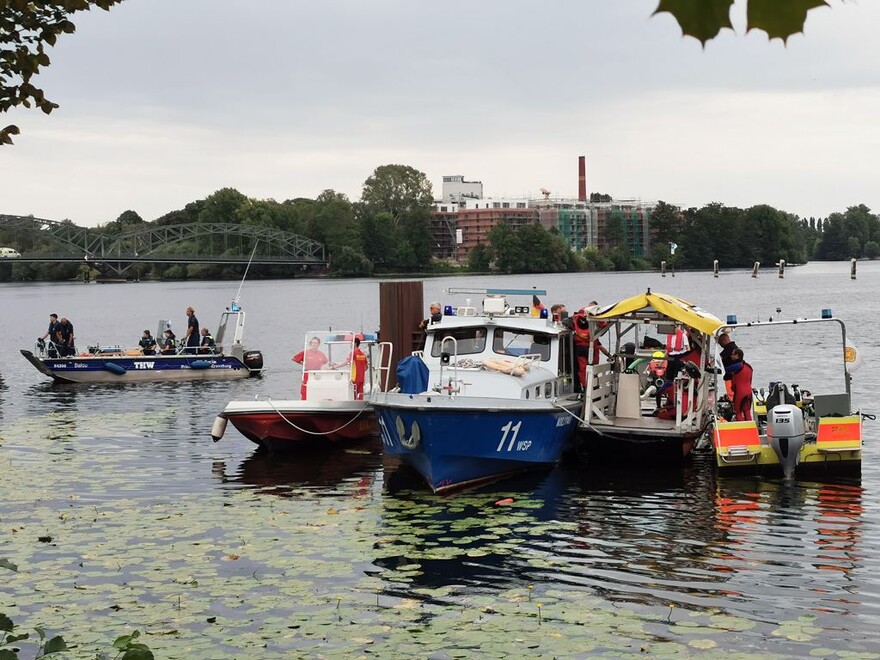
x,y
388,231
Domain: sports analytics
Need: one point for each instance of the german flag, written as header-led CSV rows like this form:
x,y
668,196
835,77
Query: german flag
x,y
537,305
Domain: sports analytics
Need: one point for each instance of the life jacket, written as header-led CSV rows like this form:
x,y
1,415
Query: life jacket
x,y
677,343
358,366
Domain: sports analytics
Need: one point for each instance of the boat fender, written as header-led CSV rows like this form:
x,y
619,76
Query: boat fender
x,y
114,368
200,364
219,428
504,366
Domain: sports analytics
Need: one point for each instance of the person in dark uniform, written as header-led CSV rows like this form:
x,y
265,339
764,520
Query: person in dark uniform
x,y
168,343
208,344
52,335
192,331
66,338
147,343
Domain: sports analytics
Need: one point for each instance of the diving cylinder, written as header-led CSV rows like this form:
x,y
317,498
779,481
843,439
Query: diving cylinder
x,y
786,432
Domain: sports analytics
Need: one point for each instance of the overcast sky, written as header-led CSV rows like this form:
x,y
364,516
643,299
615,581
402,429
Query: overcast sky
x,y
164,102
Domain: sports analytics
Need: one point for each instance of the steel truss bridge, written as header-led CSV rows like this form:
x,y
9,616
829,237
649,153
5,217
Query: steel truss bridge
x,y
215,243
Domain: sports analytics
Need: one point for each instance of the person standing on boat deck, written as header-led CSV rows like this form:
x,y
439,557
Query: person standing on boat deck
x,y
435,316
727,347
66,337
358,361
52,334
208,344
582,341
168,343
741,378
312,359
53,327
192,331
147,343
558,312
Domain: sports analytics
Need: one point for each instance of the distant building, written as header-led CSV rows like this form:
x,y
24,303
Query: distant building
x,y
463,218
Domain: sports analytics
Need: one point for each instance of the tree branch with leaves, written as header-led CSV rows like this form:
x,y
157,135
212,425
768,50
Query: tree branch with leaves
x,y
27,29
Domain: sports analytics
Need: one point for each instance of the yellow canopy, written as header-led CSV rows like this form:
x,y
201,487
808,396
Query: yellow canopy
x,y
670,306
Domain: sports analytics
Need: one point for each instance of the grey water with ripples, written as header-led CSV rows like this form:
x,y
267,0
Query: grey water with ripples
x,y
648,538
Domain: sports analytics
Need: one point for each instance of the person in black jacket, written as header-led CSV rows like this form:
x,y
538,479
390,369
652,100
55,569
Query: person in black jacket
x,y
147,343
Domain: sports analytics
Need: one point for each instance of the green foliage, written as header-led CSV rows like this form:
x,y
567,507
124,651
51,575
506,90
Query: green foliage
x,y
349,262
129,649
845,235
398,190
9,638
479,258
872,249
26,29
126,646
529,249
704,19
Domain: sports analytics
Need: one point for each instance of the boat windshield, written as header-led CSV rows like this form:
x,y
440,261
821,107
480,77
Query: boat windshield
x,y
515,342
468,340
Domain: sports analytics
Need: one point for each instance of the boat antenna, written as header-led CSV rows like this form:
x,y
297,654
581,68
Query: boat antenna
x,y
243,277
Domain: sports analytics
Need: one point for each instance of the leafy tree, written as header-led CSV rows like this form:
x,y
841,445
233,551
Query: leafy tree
x,y
666,221
479,258
26,29
398,190
378,238
872,249
348,262
599,197
222,206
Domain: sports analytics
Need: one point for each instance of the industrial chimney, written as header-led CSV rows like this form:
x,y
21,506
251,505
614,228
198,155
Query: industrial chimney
x,y
582,178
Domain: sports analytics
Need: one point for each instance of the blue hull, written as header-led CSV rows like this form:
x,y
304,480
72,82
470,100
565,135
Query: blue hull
x,y
457,448
122,368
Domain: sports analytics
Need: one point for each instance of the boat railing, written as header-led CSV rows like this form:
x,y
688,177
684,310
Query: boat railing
x,y
449,360
381,374
48,348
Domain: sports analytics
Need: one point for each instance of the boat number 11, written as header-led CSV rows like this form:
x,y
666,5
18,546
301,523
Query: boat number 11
x,y
512,430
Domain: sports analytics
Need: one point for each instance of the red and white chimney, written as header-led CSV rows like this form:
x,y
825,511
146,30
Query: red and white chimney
x,y
582,178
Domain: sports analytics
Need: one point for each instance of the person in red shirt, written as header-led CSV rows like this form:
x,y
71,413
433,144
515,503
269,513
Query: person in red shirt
x,y
312,359
358,362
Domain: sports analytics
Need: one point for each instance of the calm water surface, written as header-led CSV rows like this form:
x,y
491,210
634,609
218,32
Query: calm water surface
x,y
120,513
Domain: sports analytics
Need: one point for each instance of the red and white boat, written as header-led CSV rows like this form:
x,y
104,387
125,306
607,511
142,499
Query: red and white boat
x,y
334,408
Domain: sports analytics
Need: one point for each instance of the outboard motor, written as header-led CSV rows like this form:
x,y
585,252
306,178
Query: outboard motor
x,y
253,360
786,432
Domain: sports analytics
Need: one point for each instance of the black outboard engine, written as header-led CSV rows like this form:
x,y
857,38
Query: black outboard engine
x,y
253,360
786,429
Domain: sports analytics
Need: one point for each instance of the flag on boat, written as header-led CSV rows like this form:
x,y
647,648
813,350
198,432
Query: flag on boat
x,y
537,305
851,357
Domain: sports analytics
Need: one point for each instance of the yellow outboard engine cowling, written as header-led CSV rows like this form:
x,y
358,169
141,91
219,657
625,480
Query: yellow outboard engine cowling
x,y
786,432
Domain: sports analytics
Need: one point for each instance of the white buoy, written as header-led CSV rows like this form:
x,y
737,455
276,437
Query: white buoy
x,y
755,268
852,268
715,268
781,268
219,428
662,269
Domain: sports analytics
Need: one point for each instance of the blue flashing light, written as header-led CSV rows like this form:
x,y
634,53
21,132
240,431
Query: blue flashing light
x,y
234,307
447,311
826,313
544,313
731,319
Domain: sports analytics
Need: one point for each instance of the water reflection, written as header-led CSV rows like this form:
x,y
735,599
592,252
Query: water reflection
x,y
351,469
761,549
